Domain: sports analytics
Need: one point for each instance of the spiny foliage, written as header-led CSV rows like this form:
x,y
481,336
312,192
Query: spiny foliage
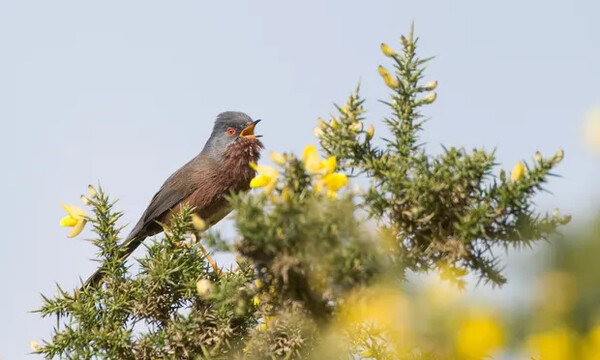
x,y
305,257
448,209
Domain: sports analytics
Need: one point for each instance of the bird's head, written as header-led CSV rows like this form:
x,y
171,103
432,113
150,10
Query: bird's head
x,y
232,133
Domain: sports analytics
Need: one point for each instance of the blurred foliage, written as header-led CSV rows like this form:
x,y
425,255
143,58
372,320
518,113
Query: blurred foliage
x,y
312,279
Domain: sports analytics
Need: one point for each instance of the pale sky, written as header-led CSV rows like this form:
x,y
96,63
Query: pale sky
x,y
126,92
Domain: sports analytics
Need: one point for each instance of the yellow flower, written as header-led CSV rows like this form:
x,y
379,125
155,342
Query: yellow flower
x,y
75,218
277,158
387,51
335,181
204,287
198,223
591,345
331,182
556,344
478,336
517,171
311,160
256,301
266,177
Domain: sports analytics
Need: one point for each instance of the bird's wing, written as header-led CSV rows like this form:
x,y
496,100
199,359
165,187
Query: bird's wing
x,y
176,188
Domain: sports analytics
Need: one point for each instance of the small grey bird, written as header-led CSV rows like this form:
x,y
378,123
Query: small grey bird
x,y
220,168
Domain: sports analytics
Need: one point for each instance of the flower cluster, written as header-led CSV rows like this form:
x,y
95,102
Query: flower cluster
x,y
76,217
322,172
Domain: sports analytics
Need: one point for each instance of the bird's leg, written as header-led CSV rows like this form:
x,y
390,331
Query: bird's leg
x,y
211,261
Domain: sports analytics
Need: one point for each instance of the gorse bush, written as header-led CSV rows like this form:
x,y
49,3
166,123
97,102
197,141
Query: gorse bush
x,y
311,279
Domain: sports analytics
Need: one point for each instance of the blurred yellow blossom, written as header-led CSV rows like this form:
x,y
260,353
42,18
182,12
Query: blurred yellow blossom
x,y
266,177
256,301
590,348
204,287
333,182
478,336
198,223
75,218
313,163
517,171
277,158
311,159
384,308
555,344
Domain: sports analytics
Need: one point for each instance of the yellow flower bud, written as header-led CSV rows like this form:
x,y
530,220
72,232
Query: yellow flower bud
x,y
387,51
559,156
538,157
256,301
432,85
198,223
317,132
382,71
322,123
277,158
85,200
204,287
92,192
356,126
334,123
345,109
430,98
518,171
370,132
391,81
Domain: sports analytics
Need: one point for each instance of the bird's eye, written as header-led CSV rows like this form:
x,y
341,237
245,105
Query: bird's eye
x,y
230,131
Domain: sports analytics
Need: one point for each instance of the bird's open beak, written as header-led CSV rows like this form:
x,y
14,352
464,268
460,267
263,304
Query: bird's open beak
x,y
249,130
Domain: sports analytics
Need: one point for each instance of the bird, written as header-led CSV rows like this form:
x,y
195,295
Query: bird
x,y
222,167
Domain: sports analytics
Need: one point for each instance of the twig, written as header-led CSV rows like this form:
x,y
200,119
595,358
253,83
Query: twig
x,y
211,261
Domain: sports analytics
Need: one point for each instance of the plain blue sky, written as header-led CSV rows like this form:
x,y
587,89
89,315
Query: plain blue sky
x,y
125,92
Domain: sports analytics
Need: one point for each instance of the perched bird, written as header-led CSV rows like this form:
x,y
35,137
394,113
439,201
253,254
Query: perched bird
x,y
220,168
